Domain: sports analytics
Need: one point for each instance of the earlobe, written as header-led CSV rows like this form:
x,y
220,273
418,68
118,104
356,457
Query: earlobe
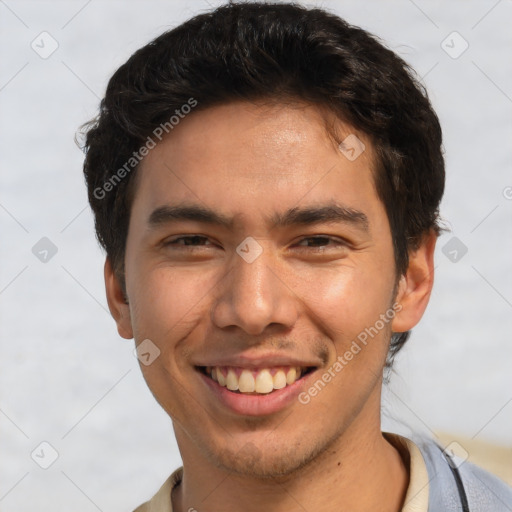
x,y
117,302
415,286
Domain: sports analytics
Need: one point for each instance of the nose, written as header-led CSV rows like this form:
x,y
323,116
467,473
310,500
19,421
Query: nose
x,y
254,296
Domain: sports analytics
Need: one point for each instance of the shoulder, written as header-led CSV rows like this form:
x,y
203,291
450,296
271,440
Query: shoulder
x,y
454,480
161,501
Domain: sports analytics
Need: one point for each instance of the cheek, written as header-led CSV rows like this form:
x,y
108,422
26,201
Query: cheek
x,y
346,300
167,301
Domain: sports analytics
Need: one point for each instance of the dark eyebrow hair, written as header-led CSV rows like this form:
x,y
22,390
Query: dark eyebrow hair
x,y
293,216
316,215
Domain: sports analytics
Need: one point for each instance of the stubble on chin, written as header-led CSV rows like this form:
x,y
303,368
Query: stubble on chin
x,y
268,462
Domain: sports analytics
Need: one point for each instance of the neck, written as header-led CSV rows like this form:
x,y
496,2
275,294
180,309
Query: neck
x,y
361,472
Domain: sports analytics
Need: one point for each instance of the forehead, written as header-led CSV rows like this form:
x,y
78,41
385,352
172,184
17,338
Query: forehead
x,y
246,158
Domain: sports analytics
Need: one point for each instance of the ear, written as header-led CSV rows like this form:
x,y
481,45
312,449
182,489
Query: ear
x,y
117,302
416,285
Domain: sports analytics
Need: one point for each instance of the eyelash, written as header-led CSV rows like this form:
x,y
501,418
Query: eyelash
x,y
318,237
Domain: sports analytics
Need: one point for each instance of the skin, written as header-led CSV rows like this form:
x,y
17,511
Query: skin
x,y
301,297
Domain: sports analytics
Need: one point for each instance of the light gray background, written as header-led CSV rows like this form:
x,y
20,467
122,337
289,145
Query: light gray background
x,y
68,379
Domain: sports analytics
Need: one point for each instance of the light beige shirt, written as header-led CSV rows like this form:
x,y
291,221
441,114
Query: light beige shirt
x,y
416,498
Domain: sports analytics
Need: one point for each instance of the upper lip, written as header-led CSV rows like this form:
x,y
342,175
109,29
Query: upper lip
x,y
255,362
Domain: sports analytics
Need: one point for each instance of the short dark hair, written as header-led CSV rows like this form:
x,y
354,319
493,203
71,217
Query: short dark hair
x,y
279,52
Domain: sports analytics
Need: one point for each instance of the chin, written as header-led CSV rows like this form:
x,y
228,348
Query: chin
x,y
266,461
270,467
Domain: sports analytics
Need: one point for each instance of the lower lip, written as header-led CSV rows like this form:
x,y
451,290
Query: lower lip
x,y
256,405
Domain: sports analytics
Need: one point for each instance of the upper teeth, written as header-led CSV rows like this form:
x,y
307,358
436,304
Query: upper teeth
x,y
250,381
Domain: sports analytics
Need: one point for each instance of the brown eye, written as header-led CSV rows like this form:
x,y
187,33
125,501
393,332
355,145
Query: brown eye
x,y
321,241
193,240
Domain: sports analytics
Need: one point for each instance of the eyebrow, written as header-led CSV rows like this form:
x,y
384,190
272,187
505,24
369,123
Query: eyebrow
x,y
293,216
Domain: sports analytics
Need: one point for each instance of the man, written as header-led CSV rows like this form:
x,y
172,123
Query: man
x,y
266,180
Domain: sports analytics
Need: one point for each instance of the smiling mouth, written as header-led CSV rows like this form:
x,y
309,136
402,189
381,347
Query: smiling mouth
x,y
255,381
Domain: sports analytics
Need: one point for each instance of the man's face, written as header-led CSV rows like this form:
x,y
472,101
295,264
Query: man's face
x,y
296,294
